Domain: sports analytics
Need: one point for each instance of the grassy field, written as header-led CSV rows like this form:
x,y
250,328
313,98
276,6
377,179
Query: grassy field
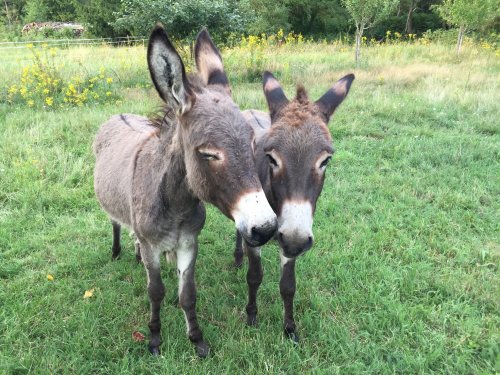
x,y
404,274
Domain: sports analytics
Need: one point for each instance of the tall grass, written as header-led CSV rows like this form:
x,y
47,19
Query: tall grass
x,y
403,276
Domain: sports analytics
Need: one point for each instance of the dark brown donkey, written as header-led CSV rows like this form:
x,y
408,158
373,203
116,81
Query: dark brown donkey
x,y
151,176
293,148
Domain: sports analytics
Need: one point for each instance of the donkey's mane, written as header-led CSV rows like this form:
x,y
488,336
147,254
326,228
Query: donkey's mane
x,y
299,109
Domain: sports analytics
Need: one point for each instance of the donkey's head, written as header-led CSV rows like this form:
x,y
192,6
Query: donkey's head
x,y
216,141
297,151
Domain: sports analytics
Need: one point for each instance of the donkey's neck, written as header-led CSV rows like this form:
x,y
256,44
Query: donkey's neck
x,y
175,189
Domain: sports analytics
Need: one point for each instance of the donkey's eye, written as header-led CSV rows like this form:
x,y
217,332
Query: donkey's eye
x,y
272,161
209,157
324,163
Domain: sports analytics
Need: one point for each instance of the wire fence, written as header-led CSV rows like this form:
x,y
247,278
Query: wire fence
x,y
5,46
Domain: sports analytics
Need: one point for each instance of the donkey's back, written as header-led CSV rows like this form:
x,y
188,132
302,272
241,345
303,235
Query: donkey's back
x,y
116,146
259,121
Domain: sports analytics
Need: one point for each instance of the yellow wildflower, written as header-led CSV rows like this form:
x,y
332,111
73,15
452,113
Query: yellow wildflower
x,y
50,277
31,103
109,80
49,101
13,89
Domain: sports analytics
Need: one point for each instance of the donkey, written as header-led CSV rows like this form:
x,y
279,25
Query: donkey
x,y
152,175
293,148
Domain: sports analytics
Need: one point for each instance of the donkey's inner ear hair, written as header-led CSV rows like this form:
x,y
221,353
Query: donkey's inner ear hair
x,y
334,96
168,73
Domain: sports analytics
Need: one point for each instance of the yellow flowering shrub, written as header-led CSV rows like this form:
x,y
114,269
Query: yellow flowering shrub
x,y
43,84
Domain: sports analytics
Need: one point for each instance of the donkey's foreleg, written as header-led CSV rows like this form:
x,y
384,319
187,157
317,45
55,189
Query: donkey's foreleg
x,y
238,251
137,245
156,292
287,291
254,279
186,259
116,248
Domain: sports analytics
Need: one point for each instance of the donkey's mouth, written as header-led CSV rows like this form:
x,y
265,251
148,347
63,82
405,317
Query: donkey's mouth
x,y
259,235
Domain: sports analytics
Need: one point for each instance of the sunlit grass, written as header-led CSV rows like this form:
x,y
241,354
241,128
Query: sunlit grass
x,y
403,277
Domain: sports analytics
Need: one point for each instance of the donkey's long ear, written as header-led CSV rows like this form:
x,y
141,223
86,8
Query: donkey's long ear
x,y
168,73
274,94
333,97
209,61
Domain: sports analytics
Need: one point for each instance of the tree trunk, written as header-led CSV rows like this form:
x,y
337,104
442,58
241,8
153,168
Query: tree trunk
x,y
359,34
460,40
7,12
409,21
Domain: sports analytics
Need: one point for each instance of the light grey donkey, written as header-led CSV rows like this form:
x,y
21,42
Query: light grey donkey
x,y
151,175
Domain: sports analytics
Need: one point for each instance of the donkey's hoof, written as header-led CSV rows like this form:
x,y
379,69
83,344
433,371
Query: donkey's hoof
x,y
252,320
138,258
292,336
202,349
115,252
154,350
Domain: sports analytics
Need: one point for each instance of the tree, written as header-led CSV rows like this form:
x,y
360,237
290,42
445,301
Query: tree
x,y
98,15
182,18
49,10
467,15
308,17
365,14
412,6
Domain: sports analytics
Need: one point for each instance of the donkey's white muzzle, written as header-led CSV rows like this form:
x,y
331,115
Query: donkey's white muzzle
x,y
254,218
295,227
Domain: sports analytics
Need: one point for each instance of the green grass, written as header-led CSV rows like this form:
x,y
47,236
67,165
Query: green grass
x,y
403,277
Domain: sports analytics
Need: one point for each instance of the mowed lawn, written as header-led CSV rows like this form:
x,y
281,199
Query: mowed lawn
x,y
404,273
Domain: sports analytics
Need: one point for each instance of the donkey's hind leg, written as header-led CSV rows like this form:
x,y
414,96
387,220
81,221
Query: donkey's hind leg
x,y
116,248
238,251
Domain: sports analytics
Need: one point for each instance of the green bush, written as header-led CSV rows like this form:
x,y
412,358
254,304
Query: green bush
x,y
98,16
49,10
182,19
311,18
